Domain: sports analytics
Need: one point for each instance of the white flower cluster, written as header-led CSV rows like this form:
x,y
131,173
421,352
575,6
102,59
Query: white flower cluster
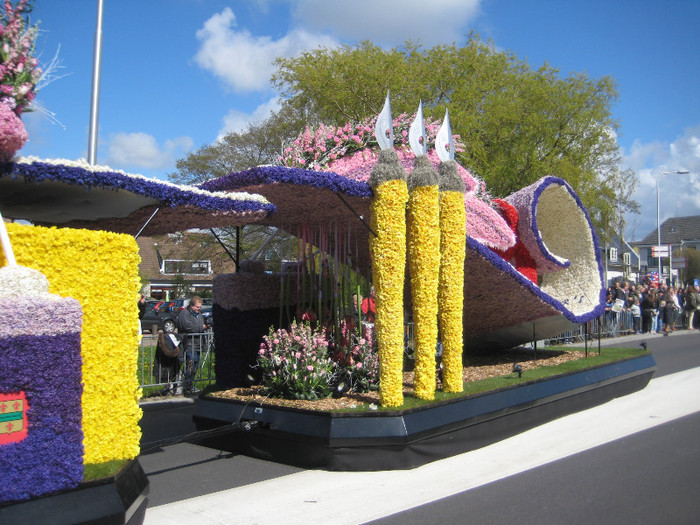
x,y
18,281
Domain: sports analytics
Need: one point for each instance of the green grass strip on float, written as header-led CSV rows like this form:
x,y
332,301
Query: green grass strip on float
x,y
509,380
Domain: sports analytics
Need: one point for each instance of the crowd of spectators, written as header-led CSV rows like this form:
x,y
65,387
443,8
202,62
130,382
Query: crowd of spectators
x,y
652,308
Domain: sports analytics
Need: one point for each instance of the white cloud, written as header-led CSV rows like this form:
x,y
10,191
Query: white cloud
x,y
140,150
245,61
236,120
679,194
390,22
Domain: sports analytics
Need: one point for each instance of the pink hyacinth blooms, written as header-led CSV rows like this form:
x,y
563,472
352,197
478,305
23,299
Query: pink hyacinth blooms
x,y
13,135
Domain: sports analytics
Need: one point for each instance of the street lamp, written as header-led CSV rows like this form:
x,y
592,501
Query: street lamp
x,y
658,216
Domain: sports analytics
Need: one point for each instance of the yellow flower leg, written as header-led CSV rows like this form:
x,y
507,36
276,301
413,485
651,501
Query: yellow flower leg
x,y
451,287
388,249
423,225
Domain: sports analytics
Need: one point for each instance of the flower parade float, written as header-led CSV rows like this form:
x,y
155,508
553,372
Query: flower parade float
x,y
499,274
68,378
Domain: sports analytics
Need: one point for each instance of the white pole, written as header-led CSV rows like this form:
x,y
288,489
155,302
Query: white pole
x,y
6,244
95,100
658,226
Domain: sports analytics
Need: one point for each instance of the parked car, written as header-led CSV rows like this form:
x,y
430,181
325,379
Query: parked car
x,y
181,304
208,315
159,313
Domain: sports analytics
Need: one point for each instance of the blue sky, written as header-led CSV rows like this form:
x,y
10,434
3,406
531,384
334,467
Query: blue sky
x,y
177,74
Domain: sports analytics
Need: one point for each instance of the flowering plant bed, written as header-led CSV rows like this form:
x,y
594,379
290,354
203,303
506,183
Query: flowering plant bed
x,y
353,433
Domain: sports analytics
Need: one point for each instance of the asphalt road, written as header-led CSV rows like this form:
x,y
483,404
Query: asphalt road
x,y
648,476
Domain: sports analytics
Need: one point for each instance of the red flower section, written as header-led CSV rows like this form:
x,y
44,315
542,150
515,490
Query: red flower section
x,y
517,255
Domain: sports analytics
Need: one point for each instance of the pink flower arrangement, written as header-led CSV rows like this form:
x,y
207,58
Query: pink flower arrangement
x,y
19,71
356,356
318,149
12,133
295,363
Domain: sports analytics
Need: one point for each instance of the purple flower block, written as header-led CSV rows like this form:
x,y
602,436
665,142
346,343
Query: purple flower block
x,y
40,361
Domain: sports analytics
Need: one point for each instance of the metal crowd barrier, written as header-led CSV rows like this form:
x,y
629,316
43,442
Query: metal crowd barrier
x,y
608,325
158,373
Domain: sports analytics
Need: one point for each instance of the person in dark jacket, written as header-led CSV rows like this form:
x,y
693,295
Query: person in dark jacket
x,y
648,308
190,326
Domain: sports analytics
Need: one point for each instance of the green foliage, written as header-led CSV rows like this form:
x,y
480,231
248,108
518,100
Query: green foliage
x,y
693,270
260,143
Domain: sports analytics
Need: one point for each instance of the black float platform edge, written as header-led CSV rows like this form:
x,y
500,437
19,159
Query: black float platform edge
x,y
121,499
406,439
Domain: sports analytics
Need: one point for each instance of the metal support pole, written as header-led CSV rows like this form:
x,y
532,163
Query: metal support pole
x,y
238,248
146,223
95,99
224,247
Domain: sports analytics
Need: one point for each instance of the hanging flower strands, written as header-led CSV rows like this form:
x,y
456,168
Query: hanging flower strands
x,y
423,226
388,253
452,253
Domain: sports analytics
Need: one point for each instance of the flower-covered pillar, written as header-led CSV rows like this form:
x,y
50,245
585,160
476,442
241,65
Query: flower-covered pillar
x,y
388,252
423,224
453,239
453,245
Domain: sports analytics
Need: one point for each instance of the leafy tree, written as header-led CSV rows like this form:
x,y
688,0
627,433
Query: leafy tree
x,y
260,143
692,272
518,124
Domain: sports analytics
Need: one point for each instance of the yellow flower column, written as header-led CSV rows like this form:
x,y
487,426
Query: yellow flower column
x,y
100,270
388,251
423,224
453,239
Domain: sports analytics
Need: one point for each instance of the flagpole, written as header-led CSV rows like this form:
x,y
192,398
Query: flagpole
x,y
95,99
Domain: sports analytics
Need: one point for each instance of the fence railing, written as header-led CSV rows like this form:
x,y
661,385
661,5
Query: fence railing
x,y
192,367
609,325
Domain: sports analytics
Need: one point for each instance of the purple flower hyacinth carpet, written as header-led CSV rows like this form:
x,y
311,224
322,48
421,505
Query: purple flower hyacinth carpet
x,y
41,441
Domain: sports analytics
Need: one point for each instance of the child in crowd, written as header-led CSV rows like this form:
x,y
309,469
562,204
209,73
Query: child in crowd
x,y
636,316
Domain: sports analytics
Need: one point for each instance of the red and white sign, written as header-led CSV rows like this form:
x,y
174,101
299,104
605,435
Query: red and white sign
x,y
659,251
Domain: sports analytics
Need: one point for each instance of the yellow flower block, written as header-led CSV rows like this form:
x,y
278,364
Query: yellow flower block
x,y
100,270
388,249
423,224
451,287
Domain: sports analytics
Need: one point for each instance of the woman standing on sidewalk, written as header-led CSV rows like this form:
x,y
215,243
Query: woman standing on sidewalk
x,y
648,307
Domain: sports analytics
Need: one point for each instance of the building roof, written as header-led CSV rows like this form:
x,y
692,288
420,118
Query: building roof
x,y
185,246
673,231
